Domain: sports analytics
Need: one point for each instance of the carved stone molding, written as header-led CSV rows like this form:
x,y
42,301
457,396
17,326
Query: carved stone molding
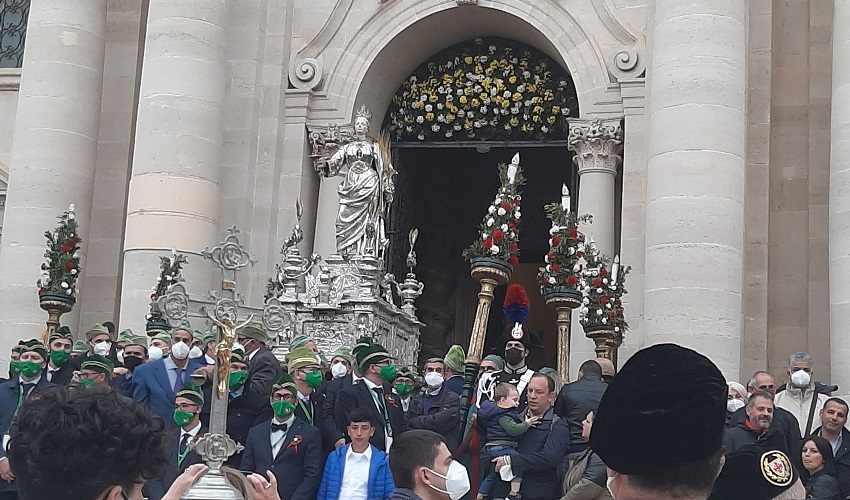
x,y
467,2
306,71
598,145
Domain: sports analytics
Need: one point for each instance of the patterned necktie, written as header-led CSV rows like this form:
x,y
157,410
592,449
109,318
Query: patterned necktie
x,y
178,380
184,442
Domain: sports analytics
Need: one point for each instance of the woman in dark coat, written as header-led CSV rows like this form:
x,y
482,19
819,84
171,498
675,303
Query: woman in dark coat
x,y
820,463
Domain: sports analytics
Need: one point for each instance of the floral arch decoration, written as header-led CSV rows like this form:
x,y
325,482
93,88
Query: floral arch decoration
x,y
490,89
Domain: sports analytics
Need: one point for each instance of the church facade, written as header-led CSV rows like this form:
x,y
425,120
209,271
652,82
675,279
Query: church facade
x,y
708,139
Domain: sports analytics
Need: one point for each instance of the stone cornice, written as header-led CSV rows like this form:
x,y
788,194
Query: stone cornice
x,y
598,145
10,79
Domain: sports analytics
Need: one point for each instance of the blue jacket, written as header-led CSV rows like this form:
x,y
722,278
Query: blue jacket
x,y
152,388
380,478
488,419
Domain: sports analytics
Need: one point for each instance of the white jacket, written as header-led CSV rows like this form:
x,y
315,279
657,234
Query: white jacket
x,y
799,402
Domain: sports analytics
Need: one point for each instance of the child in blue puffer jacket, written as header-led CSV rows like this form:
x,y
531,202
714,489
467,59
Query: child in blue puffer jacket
x,y
503,426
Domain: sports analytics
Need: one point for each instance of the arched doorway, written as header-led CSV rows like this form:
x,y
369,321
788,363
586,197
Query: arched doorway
x,y
459,114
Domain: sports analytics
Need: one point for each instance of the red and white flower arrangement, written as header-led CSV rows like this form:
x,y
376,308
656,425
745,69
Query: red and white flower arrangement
x,y
61,267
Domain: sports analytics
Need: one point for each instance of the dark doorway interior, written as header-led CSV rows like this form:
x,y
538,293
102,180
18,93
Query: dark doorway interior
x,y
445,193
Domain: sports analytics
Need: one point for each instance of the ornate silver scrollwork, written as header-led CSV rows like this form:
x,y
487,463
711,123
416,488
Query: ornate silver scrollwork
x,y
229,255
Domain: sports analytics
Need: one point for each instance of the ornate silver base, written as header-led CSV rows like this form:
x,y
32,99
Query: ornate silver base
x,y
212,486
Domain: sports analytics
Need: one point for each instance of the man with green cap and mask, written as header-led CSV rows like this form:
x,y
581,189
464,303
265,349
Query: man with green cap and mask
x,y
336,420
96,371
28,384
403,385
14,363
245,406
263,366
375,394
287,446
79,350
60,367
305,369
453,362
179,455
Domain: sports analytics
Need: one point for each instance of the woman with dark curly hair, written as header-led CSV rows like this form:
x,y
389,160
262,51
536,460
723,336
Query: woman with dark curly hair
x,y
820,463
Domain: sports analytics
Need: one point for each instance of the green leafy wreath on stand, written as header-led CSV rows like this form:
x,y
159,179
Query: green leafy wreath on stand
x,y
61,267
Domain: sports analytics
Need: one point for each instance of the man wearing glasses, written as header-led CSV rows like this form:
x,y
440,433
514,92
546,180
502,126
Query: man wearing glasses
x,y
178,453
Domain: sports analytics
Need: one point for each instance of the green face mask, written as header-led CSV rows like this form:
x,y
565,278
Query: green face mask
x,y
403,388
236,379
87,382
388,372
314,378
182,418
29,368
14,368
283,409
59,357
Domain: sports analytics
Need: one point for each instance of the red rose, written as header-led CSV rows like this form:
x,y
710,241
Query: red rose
x,y
497,234
555,240
556,267
69,265
519,220
573,233
71,242
65,248
603,272
513,246
506,206
612,315
597,282
514,260
572,280
550,256
579,254
512,225
517,202
40,291
603,300
487,243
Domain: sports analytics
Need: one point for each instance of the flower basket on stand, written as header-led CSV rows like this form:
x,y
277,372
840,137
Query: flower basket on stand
x,y
602,315
57,285
169,275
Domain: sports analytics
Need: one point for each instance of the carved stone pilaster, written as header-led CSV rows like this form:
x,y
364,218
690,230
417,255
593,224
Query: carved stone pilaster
x,y
598,145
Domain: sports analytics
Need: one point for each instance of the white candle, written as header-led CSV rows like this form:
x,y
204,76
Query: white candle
x,y
615,269
565,198
512,168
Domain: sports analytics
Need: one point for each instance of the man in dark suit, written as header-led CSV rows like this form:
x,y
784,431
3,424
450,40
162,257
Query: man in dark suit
x,y
263,366
30,383
436,408
245,405
287,446
579,398
833,417
135,355
179,455
60,367
375,394
336,421
155,383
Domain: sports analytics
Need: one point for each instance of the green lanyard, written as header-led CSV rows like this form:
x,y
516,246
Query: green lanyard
x,y
383,406
182,456
307,412
20,400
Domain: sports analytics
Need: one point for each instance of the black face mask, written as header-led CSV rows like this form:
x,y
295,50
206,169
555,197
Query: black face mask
x,y
132,362
513,355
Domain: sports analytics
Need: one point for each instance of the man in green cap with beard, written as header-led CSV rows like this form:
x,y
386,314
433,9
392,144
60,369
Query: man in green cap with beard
x,y
286,445
375,394
179,455
245,406
336,420
28,384
60,367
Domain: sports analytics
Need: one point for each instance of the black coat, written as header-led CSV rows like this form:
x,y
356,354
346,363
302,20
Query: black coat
x,y
842,462
157,487
575,401
263,370
243,412
359,396
65,372
335,419
735,438
541,450
783,421
298,468
822,486
441,416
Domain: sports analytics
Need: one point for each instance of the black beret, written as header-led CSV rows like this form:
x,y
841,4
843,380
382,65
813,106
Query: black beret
x,y
667,405
758,471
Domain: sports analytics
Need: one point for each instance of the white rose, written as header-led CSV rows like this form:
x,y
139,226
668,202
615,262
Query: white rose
x,y
429,108
552,281
491,209
571,250
518,214
576,268
494,249
604,321
73,271
595,273
616,328
608,304
554,230
605,281
546,257
501,211
548,268
420,119
599,312
485,235
435,127
490,222
598,290
513,234
585,301
64,284
504,227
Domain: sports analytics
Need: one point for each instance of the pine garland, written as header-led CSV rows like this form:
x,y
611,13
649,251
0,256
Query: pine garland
x,y
499,230
61,268
169,274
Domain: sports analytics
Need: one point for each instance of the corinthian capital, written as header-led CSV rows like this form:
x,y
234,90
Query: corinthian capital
x,y
597,144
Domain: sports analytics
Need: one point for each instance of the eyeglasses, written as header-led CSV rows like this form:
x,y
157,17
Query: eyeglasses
x,y
185,406
284,397
242,340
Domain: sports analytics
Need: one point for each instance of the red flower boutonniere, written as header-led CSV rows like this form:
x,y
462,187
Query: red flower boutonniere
x,y
294,443
391,400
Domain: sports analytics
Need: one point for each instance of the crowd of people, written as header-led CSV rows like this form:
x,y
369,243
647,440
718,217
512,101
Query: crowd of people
x,y
117,417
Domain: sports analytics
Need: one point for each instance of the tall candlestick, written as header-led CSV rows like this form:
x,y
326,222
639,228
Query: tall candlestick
x,y
565,198
512,168
615,270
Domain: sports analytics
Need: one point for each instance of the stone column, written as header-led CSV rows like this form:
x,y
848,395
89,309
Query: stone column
x,y
53,153
174,190
695,178
839,198
598,145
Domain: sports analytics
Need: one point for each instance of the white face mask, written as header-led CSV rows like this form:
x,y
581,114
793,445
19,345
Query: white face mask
x,y
608,485
119,354
237,345
179,350
733,405
195,352
800,378
154,353
434,379
338,370
102,348
457,481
